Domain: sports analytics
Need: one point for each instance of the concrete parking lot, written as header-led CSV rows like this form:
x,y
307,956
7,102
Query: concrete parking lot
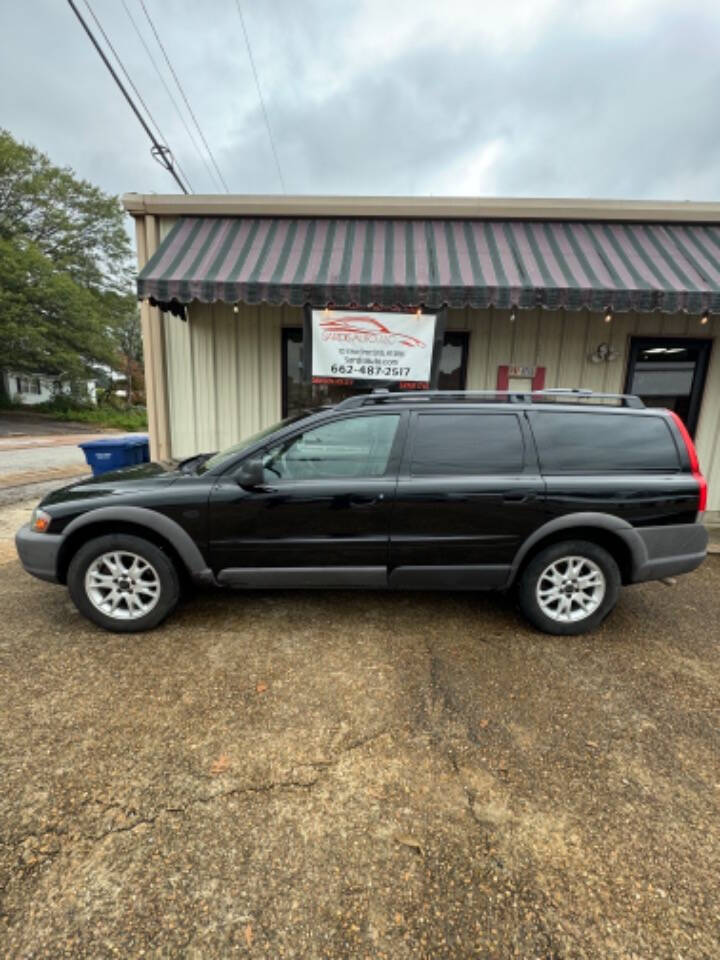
x,y
359,775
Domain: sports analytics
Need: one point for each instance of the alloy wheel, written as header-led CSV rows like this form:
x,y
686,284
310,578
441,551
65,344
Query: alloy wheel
x,y
122,585
570,589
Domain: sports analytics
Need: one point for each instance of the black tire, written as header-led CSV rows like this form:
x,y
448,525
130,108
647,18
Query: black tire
x,y
528,583
167,575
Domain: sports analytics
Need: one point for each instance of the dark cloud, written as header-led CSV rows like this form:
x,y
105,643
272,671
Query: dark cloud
x,y
558,98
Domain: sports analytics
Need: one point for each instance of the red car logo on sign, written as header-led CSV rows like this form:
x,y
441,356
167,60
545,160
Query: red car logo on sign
x,y
365,329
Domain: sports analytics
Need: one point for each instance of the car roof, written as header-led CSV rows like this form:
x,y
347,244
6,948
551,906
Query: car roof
x,y
565,400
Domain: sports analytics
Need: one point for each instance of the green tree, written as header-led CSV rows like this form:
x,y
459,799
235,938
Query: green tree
x,y
65,267
48,321
128,335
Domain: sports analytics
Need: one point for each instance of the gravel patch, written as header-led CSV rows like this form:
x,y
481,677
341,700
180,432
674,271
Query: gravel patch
x,y
359,775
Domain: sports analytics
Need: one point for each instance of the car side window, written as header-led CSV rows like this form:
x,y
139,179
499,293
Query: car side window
x,y
580,442
466,444
342,449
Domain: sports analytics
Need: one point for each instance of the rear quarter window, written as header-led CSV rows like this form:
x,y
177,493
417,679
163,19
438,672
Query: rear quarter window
x,y
603,443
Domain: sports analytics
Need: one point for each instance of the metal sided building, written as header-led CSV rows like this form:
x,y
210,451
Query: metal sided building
x,y
613,296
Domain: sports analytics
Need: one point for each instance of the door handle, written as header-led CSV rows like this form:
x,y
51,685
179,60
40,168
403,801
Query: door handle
x,y
521,496
359,502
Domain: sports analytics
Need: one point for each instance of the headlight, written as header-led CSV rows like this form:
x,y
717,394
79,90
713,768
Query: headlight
x,y
39,521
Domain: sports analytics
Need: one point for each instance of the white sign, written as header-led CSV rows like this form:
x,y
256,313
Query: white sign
x,y
394,347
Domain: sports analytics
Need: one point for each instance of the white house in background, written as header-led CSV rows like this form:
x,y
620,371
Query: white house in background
x,y
32,388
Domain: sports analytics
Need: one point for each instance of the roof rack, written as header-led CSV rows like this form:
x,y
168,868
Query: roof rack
x,y
561,394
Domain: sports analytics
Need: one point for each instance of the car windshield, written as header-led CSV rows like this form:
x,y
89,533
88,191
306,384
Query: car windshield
x,y
217,459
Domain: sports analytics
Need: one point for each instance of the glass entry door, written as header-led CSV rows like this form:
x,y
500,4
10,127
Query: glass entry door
x,y
669,372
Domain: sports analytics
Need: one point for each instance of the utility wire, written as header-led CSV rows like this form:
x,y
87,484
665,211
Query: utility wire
x,y
135,90
182,94
169,92
161,152
260,96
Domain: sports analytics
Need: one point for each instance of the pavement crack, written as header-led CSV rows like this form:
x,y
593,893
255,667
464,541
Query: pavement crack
x,y
349,747
126,828
39,853
363,741
257,788
38,835
149,820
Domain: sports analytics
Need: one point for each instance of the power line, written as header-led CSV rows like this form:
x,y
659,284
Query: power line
x,y
260,96
129,79
182,94
169,92
161,153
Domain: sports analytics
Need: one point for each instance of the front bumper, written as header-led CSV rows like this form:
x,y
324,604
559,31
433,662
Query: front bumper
x,y
667,551
38,552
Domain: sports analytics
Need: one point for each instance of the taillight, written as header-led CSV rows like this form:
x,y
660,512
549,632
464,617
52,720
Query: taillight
x,y
694,462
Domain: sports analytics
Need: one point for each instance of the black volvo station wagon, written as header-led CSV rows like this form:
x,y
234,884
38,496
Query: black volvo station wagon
x,y
562,496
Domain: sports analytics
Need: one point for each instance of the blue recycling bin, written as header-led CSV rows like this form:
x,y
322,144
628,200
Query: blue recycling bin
x,y
114,453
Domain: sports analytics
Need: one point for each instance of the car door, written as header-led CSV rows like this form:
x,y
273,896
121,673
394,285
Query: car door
x,y
469,493
322,515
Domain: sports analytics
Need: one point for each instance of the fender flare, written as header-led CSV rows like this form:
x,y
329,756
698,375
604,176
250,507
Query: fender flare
x,y
169,529
601,521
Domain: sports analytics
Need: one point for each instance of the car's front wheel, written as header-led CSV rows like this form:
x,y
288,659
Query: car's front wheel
x,y
123,583
569,587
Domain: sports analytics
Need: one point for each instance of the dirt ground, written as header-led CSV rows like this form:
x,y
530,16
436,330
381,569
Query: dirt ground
x,y
359,775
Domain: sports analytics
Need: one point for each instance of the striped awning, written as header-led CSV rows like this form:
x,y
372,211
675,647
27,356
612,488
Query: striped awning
x,y
476,263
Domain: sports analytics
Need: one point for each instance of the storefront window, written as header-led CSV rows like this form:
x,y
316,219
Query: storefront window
x,y
453,361
669,373
298,395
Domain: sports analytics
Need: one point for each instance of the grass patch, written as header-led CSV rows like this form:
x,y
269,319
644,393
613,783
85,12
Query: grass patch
x,y
132,420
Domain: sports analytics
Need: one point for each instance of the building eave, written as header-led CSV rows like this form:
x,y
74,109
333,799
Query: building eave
x,y
511,208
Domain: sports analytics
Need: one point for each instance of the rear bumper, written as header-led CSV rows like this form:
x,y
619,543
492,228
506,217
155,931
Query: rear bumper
x,y
666,551
38,552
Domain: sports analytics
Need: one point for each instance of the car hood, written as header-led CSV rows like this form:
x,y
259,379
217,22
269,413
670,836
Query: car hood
x,y
143,476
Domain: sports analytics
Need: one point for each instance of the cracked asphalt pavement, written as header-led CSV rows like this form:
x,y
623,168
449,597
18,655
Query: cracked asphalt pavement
x,y
349,775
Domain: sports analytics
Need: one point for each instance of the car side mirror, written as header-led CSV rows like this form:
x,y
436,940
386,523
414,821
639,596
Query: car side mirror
x,y
251,475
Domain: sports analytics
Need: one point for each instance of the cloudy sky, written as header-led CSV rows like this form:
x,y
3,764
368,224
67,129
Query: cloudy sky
x,y
604,98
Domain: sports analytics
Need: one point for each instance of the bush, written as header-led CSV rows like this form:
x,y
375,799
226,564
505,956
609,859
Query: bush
x,y
63,402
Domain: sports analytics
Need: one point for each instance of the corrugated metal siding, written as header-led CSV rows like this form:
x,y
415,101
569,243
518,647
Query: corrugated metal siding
x,y
224,369
224,373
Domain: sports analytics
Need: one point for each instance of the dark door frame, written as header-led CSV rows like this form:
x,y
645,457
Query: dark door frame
x,y
463,338
287,335
704,344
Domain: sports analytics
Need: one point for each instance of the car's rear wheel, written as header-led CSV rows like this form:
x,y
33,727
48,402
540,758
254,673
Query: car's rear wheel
x,y
123,583
569,587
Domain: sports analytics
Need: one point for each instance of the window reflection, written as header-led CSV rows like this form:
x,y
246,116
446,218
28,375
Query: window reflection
x,y
453,361
466,444
669,373
354,447
603,442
